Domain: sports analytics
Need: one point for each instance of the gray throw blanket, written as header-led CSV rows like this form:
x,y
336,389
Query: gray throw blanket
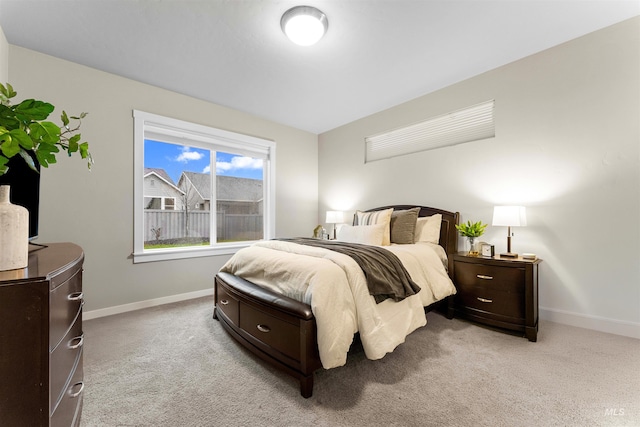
x,y
385,274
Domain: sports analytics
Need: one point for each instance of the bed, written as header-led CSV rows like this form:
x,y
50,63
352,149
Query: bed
x,y
294,305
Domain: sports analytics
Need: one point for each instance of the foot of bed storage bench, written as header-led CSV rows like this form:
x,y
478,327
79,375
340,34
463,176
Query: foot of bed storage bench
x,y
287,339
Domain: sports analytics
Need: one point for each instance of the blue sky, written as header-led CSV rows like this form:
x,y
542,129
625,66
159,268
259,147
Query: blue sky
x,y
177,158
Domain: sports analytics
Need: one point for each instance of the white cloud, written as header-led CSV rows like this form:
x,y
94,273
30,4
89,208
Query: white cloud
x,y
187,155
239,162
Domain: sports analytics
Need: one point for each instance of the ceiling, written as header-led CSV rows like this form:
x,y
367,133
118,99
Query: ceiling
x,y
376,53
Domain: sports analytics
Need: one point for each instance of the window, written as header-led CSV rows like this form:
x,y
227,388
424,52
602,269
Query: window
x,y
198,190
457,127
161,203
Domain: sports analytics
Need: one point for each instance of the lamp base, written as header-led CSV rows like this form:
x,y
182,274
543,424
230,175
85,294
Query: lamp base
x,y
509,255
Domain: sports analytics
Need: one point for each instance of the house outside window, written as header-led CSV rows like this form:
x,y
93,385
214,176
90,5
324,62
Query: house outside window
x,y
182,170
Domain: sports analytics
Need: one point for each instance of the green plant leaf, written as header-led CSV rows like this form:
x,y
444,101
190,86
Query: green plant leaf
x,y
30,110
73,144
47,132
3,165
23,139
8,119
28,160
45,154
84,151
8,91
65,119
10,147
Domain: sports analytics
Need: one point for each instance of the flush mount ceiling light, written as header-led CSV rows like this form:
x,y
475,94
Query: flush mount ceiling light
x,y
304,25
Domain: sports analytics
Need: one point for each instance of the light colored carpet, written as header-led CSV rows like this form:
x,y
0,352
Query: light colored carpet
x,y
174,365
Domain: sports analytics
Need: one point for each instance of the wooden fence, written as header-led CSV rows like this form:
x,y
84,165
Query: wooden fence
x,y
173,225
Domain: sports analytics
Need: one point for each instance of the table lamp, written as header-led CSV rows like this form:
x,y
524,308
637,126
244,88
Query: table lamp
x,y
335,217
509,216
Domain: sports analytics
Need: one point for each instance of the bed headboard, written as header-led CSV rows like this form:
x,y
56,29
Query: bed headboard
x,y
448,232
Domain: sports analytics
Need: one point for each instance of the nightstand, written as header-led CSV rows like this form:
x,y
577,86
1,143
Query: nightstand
x,y
498,292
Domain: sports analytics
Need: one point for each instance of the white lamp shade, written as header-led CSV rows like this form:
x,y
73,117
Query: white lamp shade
x,y
511,216
304,25
335,217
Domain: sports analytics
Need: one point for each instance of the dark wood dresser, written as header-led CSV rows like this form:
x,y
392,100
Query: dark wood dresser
x,y
41,339
499,292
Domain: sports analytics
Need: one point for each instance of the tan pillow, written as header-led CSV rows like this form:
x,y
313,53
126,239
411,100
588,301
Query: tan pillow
x,y
403,226
428,229
365,234
376,217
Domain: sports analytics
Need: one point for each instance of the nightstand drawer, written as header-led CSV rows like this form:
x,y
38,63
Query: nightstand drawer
x,y
506,279
492,301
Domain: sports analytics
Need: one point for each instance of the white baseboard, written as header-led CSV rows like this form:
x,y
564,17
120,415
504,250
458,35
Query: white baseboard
x,y
94,314
597,323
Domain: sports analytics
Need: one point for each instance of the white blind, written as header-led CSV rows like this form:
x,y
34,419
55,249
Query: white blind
x,y
164,129
465,125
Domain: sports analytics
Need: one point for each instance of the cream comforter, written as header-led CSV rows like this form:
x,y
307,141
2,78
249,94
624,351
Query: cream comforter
x,y
335,287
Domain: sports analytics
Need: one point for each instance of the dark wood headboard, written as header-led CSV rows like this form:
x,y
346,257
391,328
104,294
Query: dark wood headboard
x,y
448,232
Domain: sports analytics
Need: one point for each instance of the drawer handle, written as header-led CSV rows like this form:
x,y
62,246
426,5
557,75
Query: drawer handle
x,y
79,341
80,387
263,328
484,300
482,276
224,302
76,296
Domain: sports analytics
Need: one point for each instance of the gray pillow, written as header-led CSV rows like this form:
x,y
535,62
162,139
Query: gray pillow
x,y
403,226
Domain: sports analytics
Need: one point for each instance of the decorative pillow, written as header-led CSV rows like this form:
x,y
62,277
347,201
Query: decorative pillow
x,y
403,226
376,217
365,234
428,229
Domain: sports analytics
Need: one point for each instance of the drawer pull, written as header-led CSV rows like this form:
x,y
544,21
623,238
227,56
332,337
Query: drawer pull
x,y
79,341
483,277
484,300
263,328
224,302
79,386
76,296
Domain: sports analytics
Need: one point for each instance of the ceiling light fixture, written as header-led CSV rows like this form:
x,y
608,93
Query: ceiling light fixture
x,y
304,25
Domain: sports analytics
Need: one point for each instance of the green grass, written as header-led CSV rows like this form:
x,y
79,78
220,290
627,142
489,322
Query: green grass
x,y
175,245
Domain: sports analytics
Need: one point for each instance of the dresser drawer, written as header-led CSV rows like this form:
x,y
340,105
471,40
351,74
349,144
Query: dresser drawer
x,y
506,279
68,411
227,303
65,307
275,332
63,359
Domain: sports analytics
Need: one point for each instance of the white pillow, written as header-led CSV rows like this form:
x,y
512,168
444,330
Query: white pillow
x,y
428,228
365,234
377,217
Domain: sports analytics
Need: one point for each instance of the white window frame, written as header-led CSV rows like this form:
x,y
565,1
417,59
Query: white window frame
x,y
165,129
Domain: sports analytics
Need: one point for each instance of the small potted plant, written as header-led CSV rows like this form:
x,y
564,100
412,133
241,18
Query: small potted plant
x,y
471,230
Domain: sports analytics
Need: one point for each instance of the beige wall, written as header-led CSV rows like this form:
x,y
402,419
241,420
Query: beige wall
x,y
4,58
566,147
95,209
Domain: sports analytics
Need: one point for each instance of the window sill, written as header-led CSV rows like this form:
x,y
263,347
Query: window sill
x,y
191,252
